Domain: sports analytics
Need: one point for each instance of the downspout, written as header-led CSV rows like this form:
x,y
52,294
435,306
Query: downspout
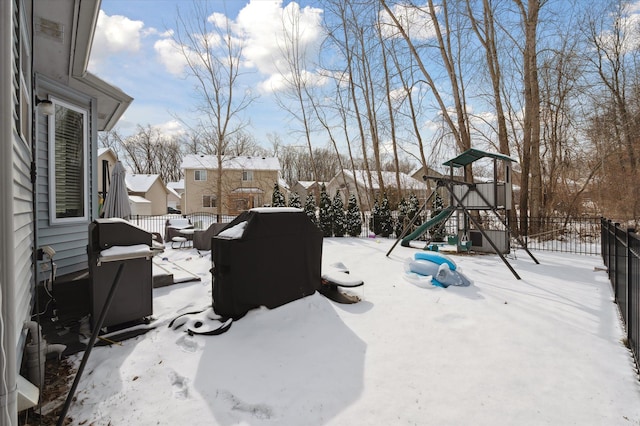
x,y
8,362
36,353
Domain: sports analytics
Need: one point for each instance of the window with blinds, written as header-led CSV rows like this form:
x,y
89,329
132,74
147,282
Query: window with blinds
x,y
68,163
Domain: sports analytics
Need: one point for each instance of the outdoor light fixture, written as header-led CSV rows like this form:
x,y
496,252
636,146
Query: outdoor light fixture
x,y
45,106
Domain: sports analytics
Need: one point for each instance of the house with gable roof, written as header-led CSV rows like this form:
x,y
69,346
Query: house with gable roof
x,y
151,188
305,187
176,189
245,182
357,183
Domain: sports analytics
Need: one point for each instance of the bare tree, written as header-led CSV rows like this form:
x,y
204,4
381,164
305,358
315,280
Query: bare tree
x,y
296,76
213,57
149,151
449,54
615,132
341,34
486,33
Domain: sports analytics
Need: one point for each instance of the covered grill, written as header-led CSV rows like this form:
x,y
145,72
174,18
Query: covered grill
x,y
265,257
113,242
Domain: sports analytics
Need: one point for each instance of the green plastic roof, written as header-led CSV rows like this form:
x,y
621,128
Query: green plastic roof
x,y
472,155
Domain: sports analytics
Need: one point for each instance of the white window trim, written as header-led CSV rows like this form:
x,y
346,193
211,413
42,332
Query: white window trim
x,y
248,174
202,171
25,91
52,176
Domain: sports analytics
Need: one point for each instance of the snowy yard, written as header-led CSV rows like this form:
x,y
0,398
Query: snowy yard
x,y
543,350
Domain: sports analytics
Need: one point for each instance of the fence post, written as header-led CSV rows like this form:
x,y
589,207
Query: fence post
x,y
603,242
629,307
616,253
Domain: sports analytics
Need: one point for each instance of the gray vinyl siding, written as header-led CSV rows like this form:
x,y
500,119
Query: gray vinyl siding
x,y
22,208
23,234
68,240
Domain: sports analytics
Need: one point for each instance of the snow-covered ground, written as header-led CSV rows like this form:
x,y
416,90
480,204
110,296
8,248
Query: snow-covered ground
x,y
544,350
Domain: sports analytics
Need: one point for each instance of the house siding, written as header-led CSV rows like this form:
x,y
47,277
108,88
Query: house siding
x,y
158,197
22,187
68,240
23,235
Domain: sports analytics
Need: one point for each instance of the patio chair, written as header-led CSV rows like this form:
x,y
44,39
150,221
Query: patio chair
x,y
202,238
173,227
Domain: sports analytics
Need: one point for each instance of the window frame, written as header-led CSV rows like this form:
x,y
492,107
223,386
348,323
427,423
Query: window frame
x,y
24,70
53,219
247,175
212,198
198,173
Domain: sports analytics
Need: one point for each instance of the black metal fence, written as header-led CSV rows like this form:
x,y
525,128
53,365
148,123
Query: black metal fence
x,y
157,223
579,235
621,256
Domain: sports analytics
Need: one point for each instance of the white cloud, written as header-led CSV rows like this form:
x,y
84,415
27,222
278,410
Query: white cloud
x,y
115,34
278,82
265,26
170,56
628,26
170,128
261,28
415,21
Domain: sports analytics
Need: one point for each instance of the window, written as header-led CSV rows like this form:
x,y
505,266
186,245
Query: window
x,y
247,175
68,178
209,201
22,76
200,175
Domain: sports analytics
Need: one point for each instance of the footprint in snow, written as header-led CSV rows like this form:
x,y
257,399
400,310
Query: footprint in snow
x,y
179,385
187,343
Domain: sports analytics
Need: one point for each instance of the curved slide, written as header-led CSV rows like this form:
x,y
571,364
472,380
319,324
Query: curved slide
x,y
440,217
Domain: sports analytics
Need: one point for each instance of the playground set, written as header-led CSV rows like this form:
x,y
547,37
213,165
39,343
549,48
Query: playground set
x,y
467,202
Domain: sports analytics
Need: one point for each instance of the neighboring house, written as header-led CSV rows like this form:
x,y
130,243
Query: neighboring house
x,y
306,187
176,190
150,187
140,206
106,160
174,200
347,181
246,182
51,110
425,171
178,186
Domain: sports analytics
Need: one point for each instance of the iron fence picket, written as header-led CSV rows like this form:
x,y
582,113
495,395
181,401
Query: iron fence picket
x,y
621,256
633,325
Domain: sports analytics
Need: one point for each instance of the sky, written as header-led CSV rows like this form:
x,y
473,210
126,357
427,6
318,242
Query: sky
x,y
546,349
132,50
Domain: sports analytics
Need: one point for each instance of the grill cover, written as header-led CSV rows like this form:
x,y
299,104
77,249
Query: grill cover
x,y
277,259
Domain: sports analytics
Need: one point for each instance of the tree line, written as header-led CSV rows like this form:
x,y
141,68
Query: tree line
x,y
553,84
